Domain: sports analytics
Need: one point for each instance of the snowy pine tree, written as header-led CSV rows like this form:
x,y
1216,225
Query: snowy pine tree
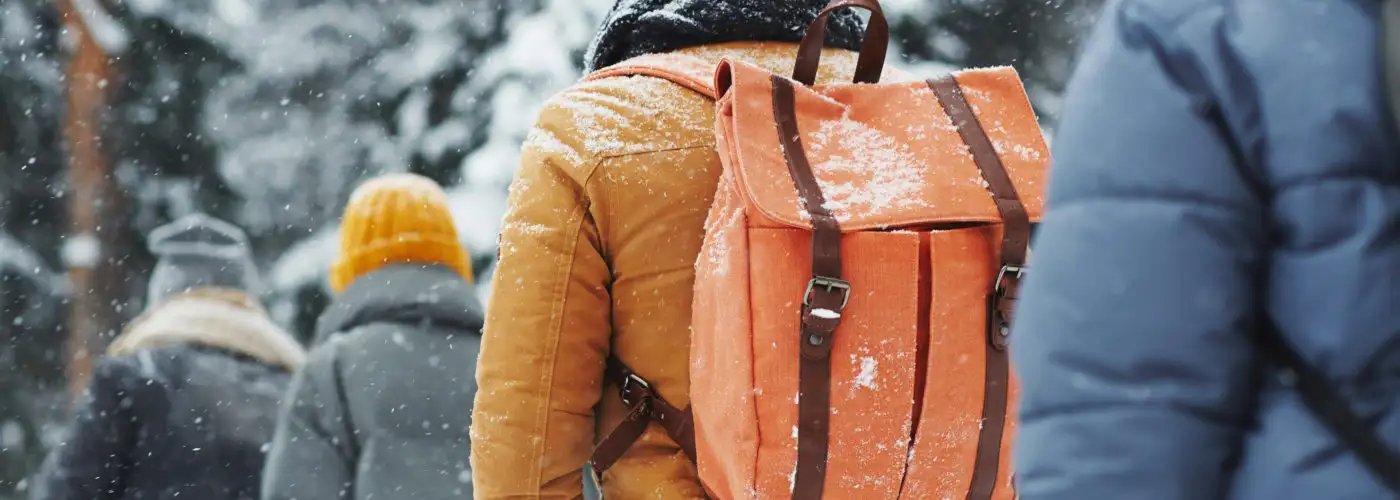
x,y
31,290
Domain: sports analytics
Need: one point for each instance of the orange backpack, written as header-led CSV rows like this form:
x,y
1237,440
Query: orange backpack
x,y
854,291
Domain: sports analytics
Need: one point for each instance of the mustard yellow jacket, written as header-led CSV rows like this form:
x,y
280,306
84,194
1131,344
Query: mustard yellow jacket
x,y
605,220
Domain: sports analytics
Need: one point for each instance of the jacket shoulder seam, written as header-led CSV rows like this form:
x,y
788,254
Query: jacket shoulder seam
x,y
625,154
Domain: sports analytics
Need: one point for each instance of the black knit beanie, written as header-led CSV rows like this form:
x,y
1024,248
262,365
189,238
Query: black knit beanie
x,y
637,27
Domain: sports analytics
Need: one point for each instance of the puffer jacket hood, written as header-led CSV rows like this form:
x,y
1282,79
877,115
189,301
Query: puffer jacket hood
x,y
637,27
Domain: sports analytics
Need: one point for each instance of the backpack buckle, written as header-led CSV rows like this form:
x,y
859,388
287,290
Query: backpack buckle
x,y
1015,272
999,305
628,386
830,285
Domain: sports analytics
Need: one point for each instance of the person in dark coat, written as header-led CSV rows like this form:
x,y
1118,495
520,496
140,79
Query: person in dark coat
x,y
1219,164
382,409
186,401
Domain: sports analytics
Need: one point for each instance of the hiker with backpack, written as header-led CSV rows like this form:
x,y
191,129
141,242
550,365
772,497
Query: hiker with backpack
x,y
728,255
1214,308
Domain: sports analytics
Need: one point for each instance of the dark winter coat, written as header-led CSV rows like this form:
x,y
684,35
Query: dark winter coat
x,y
1215,158
382,409
179,411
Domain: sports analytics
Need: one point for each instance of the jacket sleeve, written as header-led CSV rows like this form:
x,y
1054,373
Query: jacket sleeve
x,y
1132,342
312,455
92,462
547,327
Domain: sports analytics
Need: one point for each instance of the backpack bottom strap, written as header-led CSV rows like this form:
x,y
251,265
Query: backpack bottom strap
x,y
646,407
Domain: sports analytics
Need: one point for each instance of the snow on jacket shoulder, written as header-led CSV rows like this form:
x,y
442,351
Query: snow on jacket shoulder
x,y
183,408
382,408
1215,158
597,257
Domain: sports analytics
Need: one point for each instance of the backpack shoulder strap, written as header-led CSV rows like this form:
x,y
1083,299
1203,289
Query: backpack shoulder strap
x,y
685,70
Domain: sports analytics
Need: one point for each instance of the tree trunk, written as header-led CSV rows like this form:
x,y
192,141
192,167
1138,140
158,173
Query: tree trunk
x,y
92,249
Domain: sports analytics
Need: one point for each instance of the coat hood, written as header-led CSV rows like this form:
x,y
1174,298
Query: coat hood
x,y
408,294
636,27
219,318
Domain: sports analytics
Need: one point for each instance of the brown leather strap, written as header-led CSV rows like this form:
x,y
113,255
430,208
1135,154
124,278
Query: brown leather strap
x,y
1001,301
822,303
621,439
1016,223
646,407
872,48
994,406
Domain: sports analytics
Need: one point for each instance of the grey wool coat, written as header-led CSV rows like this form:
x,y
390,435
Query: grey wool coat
x,y
382,408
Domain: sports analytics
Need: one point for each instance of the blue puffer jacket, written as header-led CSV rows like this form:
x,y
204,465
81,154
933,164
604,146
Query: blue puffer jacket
x,y
1215,158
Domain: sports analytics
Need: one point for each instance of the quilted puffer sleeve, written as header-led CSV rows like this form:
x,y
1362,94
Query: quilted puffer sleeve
x,y
547,327
1131,341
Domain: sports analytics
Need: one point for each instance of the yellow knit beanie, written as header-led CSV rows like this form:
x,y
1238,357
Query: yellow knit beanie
x,y
397,219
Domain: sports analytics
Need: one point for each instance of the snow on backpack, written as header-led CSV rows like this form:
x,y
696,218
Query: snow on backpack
x,y
854,290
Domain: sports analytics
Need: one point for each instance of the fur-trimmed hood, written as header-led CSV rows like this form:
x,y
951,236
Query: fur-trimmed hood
x,y
219,318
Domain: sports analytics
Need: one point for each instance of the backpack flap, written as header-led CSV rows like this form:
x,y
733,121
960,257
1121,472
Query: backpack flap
x,y
829,273
886,155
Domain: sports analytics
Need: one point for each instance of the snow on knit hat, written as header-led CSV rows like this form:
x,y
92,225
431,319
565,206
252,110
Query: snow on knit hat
x,y
397,219
199,251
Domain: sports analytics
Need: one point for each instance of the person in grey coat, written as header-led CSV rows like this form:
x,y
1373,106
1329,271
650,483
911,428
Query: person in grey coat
x,y
382,407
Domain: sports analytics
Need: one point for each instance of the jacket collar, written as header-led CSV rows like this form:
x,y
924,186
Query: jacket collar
x,y
405,294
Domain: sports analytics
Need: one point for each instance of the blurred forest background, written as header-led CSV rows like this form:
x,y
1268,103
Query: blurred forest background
x,y
119,115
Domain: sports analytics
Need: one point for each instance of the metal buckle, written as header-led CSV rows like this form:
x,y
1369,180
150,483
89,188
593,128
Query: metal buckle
x,y
830,284
999,287
998,327
626,389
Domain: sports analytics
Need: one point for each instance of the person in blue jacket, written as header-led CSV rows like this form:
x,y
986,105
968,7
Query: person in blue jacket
x,y
1217,160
